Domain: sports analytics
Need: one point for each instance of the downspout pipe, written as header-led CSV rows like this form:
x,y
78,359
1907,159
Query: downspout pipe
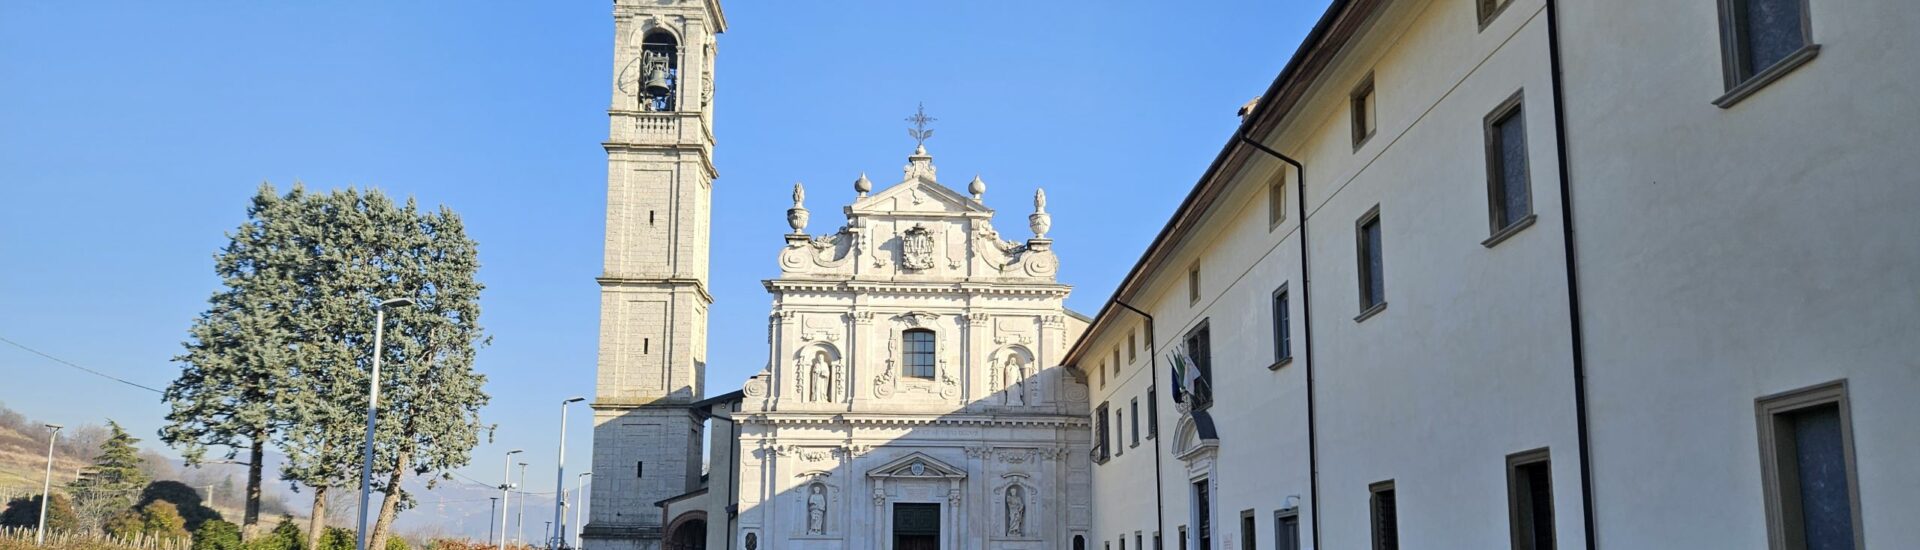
x,y
1577,337
1153,372
1306,312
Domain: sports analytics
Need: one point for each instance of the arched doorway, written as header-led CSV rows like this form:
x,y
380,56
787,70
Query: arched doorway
x,y
688,532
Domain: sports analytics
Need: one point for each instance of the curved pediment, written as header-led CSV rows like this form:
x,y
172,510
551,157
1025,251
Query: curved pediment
x,y
1194,436
917,465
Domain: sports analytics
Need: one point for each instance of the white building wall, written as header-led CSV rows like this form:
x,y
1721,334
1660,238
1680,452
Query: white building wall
x,y
1470,361
1729,254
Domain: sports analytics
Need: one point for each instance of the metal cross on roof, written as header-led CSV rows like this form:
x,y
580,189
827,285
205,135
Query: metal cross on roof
x,y
919,131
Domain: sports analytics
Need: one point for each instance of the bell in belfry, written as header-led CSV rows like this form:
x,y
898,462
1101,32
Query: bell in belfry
x,y
656,79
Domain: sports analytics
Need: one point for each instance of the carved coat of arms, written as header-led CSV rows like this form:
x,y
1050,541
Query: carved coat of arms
x,y
916,248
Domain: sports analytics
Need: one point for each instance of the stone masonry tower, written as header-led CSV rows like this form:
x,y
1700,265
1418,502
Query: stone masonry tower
x,y
653,293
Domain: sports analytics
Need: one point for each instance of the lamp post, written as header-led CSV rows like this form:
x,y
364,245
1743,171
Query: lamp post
x,y
373,401
520,517
554,539
506,496
46,487
579,510
493,503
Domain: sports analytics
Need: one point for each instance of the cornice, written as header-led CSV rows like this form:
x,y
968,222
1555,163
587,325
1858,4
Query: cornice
x,y
908,287
885,420
618,281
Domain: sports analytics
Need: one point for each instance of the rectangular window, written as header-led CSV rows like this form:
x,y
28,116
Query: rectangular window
x,y
1157,544
1365,119
1282,327
1133,347
1373,278
1183,538
1136,422
1509,191
1153,412
1203,522
1139,541
1101,448
1193,284
1103,374
1807,464
919,354
1120,429
1123,542
1490,9
1199,348
1277,202
1247,531
1530,500
1286,530
1386,521
1761,40
1116,363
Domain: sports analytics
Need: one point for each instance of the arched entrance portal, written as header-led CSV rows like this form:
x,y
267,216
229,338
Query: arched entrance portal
x,y
688,532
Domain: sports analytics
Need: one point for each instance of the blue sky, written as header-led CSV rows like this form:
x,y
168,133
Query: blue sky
x,y
131,134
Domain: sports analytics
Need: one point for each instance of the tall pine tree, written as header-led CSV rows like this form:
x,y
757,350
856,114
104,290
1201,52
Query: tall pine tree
x,y
238,355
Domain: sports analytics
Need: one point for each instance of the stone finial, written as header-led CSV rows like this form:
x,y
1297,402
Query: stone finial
x,y
977,187
798,215
862,185
1040,221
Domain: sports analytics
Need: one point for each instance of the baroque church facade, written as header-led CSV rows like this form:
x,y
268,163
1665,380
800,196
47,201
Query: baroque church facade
x,y
913,396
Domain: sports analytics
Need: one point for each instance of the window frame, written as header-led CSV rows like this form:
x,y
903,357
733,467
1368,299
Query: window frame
x,y
932,354
1153,411
1490,10
1374,514
1280,517
1282,305
1361,102
1369,303
1277,201
1783,520
1102,450
1119,430
1521,520
1249,530
1514,106
1193,283
1133,346
1741,79
1199,399
1135,410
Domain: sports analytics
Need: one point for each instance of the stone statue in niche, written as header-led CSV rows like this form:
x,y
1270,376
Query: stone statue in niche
x,y
1016,511
820,378
1015,372
816,509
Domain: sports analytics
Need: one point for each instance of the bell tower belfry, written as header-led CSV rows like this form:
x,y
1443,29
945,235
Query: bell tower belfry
x,y
653,287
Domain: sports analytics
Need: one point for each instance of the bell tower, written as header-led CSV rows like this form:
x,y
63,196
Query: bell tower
x,y
653,287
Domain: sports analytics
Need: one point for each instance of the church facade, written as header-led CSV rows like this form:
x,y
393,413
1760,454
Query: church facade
x,y
912,397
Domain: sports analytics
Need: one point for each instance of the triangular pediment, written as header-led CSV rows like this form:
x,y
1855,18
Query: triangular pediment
x,y
918,196
917,465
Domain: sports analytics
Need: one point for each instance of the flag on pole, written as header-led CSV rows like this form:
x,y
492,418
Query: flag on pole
x,y
1177,361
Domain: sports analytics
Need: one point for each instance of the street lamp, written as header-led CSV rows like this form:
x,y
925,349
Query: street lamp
x,y
577,509
520,517
373,401
46,487
554,538
505,496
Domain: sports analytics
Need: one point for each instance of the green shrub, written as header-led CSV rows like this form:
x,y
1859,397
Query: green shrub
x,y
124,524
184,499
337,538
285,536
24,513
395,543
215,534
161,519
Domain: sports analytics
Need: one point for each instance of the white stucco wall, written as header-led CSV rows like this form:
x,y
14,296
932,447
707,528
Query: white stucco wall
x,y
1729,254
